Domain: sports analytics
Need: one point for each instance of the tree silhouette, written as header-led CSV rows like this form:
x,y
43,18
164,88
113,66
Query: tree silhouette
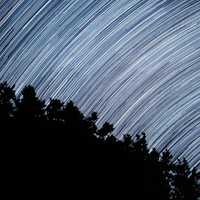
x,y
89,126
7,101
185,182
154,155
60,139
127,140
166,167
93,117
105,130
71,114
140,146
54,110
194,186
30,107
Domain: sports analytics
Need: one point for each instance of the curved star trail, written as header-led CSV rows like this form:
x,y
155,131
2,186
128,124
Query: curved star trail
x,y
135,62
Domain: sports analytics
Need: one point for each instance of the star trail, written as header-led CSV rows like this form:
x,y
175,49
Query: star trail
x,y
135,62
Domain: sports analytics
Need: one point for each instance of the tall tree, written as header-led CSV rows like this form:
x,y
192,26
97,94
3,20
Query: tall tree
x,y
90,127
127,140
106,129
54,110
140,146
167,166
73,118
185,182
29,106
194,185
7,101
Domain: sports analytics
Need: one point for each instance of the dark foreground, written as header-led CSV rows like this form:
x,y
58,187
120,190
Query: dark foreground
x,y
55,151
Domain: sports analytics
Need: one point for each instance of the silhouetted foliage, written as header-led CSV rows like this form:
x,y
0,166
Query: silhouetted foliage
x,y
57,140
185,182
167,167
30,107
7,101
54,110
105,130
127,140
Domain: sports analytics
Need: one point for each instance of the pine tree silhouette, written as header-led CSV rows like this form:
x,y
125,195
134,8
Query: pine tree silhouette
x,y
7,101
56,142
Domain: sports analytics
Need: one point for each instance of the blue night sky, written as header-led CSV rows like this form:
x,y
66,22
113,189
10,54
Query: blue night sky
x,y
135,62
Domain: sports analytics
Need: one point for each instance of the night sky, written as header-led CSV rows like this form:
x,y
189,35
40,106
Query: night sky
x,y
135,62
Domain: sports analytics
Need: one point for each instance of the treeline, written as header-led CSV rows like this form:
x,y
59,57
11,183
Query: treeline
x,y
56,144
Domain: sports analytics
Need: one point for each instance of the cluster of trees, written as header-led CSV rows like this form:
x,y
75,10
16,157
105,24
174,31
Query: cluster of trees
x,y
58,139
